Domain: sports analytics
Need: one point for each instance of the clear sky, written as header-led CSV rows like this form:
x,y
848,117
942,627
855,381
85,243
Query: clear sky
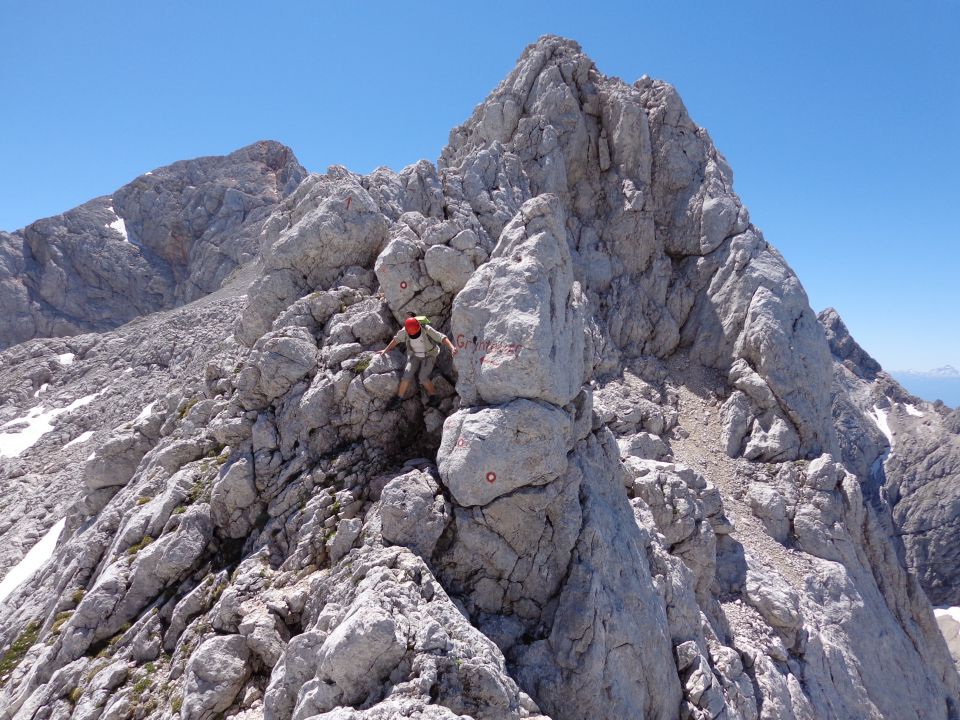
x,y
840,119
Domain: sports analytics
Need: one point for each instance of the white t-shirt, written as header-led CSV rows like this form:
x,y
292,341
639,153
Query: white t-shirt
x,y
421,346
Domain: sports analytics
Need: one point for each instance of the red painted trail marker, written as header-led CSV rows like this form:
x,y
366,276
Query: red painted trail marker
x,y
491,477
349,200
403,284
461,441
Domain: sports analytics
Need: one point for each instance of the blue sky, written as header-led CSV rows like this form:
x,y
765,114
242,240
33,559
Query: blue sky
x,y
839,119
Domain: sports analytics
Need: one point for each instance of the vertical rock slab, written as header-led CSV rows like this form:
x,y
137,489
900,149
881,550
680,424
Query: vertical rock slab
x,y
608,652
519,320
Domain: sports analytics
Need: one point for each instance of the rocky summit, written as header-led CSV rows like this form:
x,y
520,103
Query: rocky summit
x,y
653,483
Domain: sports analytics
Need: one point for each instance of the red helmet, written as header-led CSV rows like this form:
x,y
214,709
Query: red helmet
x,y
411,325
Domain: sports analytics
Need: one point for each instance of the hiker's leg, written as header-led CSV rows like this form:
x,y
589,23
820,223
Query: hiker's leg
x,y
426,370
409,372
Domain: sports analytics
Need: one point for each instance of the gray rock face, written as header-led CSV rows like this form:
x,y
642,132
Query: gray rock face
x,y
917,466
647,499
214,677
629,650
329,225
845,349
519,319
169,237
413,512
495,450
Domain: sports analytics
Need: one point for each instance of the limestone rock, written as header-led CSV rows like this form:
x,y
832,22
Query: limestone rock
x,y
917,473
519,320
215,676
233,499
490,451
413,512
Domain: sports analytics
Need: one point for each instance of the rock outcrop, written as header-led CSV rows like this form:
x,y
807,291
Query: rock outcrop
x,y
646,489
169,237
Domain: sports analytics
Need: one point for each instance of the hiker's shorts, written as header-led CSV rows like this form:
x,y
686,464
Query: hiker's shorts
x,y
422,367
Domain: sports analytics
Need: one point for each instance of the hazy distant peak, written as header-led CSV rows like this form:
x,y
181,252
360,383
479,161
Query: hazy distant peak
x,y
946,371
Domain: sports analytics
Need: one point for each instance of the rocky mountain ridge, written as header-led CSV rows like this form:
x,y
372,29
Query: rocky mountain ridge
x,y
651,487
169,237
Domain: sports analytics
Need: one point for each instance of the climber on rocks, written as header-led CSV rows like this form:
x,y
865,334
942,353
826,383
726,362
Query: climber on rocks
x,y
423,346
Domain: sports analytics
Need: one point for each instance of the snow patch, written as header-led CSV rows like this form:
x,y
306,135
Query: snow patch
x,y
38,422
43,389
32,561
953,612
948,620
66,358
81,438
119,225
911,410
145,413
879,416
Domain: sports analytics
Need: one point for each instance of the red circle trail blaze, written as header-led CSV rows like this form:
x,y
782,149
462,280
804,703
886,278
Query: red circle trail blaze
x,y
491,477
403,284
349,200
461,442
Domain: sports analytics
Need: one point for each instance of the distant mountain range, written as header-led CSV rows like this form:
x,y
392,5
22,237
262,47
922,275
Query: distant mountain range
x,y
947,371
942,383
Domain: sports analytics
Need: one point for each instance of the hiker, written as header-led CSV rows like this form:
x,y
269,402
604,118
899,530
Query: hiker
x,y
423,347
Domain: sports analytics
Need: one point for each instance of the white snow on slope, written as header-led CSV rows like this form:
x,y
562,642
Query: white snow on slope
x,y
32,561
81,438
66,358
145,413
119,225
879,416
953,612
38,423
42,389
913,410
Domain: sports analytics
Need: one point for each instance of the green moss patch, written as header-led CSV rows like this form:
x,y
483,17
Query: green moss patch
x,y
18,648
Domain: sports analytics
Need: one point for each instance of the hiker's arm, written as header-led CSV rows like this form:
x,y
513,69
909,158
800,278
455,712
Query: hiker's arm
x,y
450,345
400,337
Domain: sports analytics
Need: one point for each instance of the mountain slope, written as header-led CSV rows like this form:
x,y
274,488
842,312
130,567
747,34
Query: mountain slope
x,y
635,498
169,237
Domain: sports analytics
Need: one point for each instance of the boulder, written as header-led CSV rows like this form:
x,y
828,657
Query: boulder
x,y
489,451
413,512
215,675
519,320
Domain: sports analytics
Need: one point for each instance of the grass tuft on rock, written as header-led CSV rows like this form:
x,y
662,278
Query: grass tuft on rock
x,y
18,648
134,549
